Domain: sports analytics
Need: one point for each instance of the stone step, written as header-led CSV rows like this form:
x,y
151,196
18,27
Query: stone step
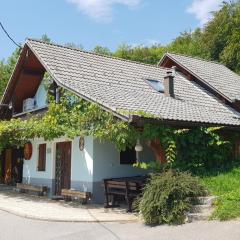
x,y
209,200
201,208
193,217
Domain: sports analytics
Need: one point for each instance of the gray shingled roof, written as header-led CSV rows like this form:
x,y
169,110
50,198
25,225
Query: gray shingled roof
x,y
121,85
215,74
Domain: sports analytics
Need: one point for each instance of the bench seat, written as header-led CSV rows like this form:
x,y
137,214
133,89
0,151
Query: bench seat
x,y
33,188
68,194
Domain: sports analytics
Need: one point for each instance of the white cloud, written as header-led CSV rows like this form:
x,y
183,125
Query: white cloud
x,y
101,10
202,9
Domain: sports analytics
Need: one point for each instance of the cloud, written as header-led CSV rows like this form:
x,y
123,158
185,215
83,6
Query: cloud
x,y
202,9
101,10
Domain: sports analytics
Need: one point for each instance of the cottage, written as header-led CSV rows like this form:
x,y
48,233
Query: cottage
x,y
181,91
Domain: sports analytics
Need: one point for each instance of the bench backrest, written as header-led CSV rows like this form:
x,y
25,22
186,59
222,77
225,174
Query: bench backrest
x,y
121,185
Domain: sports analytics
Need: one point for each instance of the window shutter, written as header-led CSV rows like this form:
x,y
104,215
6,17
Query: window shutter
x,y
42,157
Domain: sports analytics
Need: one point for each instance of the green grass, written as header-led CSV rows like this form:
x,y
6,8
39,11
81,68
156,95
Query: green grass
x,y
227,187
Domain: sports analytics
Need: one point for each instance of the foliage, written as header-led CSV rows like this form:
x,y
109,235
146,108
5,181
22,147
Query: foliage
x,y
221,35
165,134
225,185
200,149
167,197
102,50
197,149
87,119
6,69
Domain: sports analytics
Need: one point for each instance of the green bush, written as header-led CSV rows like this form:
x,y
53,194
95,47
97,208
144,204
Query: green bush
x,y
168,196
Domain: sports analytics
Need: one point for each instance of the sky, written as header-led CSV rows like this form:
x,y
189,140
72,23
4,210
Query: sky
x,y
108,23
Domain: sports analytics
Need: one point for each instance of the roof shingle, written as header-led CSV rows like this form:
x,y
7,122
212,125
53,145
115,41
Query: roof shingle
x,y
215,74
121,85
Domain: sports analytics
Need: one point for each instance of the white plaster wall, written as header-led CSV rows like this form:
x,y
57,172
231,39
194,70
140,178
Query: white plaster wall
x,y
30,166
41,96
106,162
97,161
82,161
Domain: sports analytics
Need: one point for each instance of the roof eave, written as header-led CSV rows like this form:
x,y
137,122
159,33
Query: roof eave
x,y
14,74
195,75
106,108
138,120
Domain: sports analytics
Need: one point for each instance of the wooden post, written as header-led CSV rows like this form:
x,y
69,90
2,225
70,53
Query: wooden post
x,y
158,150
237,149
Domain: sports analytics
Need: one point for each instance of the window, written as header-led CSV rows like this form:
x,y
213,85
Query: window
x,y
157,85
42,157
128,156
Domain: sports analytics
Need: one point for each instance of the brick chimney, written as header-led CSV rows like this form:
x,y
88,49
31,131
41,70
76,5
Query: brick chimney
x,y
169,84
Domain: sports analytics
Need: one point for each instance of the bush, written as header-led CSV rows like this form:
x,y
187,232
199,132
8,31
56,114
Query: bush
x,y
168,196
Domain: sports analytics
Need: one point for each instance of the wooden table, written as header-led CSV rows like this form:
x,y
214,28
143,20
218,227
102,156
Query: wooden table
x,y
128,187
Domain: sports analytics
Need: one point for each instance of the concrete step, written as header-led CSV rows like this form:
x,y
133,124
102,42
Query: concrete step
x,y
201,208
193,217
209,200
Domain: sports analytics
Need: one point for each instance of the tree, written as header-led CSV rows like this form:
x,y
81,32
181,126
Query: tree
x,y
188,43
6,69
102,50
45,38
221,36
74,46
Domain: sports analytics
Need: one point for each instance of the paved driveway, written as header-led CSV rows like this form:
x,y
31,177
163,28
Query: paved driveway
x,y
42,208
18,228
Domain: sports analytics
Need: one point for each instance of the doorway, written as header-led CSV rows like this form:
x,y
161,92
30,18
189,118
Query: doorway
x,y
12,165
63,167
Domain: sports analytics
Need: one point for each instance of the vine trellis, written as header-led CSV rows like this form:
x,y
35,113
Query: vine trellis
x,y
73,116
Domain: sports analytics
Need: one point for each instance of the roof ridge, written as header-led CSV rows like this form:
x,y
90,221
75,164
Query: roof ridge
x,y
196,57
97,54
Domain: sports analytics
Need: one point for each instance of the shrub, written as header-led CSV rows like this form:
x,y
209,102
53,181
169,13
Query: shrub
x,y
168,196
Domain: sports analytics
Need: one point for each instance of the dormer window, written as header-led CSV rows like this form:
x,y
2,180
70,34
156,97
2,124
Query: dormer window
x,y
157,85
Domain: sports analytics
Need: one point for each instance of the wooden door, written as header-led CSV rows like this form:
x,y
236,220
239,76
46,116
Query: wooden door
x,y
63,166
8,166
17,165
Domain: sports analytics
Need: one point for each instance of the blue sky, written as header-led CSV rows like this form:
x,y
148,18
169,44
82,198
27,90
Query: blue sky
x,y
101,22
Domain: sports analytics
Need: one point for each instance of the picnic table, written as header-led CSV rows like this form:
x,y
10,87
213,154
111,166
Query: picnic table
x,y
127,187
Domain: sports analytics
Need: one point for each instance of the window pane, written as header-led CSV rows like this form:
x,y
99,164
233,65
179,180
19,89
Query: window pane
x,y
157,85
128,156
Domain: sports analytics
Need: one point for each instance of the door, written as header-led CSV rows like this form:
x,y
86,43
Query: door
x,y
63,167
8,166
17,165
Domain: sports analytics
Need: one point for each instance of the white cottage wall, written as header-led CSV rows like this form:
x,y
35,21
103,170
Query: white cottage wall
x,y
31,175
82,165
106,164
97,161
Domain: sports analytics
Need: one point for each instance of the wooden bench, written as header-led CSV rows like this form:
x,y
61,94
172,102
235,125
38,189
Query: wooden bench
x,y
129,188
69,194
33,188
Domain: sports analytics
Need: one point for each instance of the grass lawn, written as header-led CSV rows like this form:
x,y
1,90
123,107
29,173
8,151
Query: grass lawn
x,y
227,187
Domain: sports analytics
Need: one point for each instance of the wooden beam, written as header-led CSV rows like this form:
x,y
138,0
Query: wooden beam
x,y
32,71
